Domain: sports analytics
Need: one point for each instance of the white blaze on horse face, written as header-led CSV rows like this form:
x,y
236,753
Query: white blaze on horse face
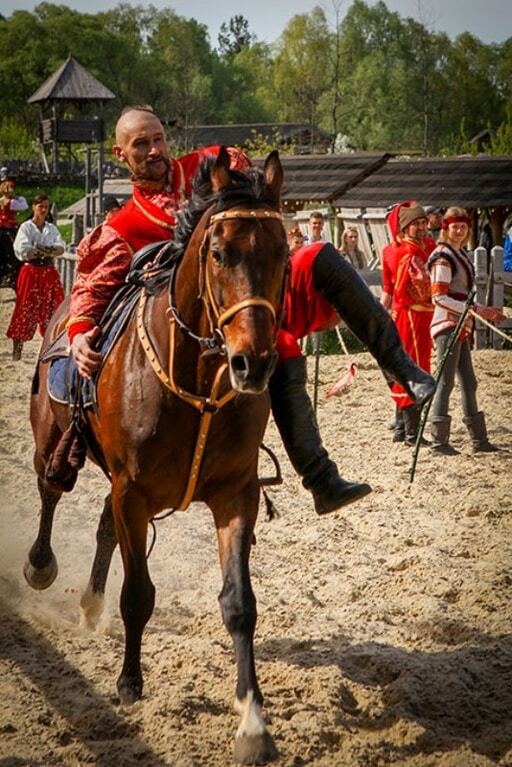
x,y
252,719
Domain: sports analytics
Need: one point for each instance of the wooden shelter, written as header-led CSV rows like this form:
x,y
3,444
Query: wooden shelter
x,y
481,183
304,138
70,86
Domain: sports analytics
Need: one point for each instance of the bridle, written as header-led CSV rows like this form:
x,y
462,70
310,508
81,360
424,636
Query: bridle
x,y
217,318
213,344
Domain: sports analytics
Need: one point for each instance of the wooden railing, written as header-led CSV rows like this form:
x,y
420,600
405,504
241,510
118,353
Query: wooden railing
x,y
66,266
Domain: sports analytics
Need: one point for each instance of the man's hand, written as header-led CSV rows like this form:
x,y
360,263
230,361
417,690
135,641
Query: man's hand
x,y
87,360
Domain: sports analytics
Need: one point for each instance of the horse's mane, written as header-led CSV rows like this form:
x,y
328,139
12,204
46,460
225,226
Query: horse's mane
x,y
245,188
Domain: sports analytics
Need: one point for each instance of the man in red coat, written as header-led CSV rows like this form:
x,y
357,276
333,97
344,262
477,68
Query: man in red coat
x,y
323,288
322,284
160,186
411,307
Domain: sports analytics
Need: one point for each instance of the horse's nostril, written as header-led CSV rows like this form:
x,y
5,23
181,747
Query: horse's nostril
x,y
240,365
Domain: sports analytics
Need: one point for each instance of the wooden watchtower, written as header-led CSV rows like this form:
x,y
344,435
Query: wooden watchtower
x,y
71,90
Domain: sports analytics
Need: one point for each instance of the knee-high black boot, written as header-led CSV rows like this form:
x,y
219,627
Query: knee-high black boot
x,y
349,294
296,421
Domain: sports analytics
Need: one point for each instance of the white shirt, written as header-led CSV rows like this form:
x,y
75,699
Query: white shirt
x,y
29,236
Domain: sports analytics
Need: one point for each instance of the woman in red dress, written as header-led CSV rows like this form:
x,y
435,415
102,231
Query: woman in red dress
x,y
38,289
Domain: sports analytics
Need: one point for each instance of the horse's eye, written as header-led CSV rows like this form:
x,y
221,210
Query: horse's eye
x,y
217,256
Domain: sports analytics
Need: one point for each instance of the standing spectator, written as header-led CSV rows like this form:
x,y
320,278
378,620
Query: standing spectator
x,y
411,307
39,289
295,239
452,277
10,204
507,250
388,270
315,228
434,221
349,248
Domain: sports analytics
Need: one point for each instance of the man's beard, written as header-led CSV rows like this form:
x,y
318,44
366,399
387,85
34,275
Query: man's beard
x,y
146,175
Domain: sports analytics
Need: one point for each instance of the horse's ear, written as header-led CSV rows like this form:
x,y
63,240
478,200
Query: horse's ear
x,y
220,171
273,172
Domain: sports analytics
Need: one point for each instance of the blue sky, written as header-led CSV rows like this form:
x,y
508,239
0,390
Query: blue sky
x,y
490,20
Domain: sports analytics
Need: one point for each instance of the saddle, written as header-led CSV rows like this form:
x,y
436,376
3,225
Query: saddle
x,y
150,266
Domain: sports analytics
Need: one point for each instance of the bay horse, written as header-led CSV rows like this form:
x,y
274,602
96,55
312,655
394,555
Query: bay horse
x,y
182,406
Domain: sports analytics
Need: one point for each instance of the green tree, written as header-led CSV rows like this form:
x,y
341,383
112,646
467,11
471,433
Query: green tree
x,y
235,36
302,67
185,63
243,86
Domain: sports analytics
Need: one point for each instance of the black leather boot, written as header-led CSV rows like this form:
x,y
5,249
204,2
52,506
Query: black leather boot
x,y
411,416
349,294
295,418
399,427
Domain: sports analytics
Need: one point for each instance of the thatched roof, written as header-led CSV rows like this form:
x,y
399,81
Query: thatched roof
x,y
324,178
71,82
472,182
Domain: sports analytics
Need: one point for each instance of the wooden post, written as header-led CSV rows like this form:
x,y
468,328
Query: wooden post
x,y
77,229
498,276
100,180
87,219
316,350
481,278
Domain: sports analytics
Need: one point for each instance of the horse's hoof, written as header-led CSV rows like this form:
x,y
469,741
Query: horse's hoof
x,y
129,691
255,749
40,577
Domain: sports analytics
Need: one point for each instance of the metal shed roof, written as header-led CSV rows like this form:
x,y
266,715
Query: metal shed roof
x,y
472,182
71,82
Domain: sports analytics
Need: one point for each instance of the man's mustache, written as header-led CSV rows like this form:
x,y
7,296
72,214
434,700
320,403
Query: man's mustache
x,y
160,158
154,160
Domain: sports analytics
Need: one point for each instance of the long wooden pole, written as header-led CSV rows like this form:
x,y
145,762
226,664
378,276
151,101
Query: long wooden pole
x,y
426,407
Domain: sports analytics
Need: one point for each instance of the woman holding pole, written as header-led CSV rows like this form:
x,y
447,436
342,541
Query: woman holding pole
x,y
452,277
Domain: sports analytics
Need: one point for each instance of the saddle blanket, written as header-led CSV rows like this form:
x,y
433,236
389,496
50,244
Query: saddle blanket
x,y
63,378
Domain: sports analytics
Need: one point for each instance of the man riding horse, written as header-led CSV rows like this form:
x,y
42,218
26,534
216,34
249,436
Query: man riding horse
x,y
321,284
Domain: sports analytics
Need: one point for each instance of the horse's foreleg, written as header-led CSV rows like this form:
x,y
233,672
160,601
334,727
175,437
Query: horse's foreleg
x,y
40,569
138,593
253,743
91,604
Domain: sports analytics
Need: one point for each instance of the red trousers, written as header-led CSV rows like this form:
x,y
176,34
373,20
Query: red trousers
x,y
38,293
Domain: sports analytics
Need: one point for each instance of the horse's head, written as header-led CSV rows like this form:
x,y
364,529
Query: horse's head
x,y
244,257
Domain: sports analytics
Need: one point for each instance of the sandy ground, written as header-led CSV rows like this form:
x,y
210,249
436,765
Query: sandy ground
x,y
384,632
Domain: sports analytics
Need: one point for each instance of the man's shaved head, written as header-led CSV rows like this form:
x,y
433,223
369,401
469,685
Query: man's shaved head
x,y
141,144
131,119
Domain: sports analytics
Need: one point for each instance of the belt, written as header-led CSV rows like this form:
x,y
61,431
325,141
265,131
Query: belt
x,y
43,261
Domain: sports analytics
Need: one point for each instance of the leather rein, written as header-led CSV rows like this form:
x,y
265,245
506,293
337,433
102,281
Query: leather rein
x,y
214,344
